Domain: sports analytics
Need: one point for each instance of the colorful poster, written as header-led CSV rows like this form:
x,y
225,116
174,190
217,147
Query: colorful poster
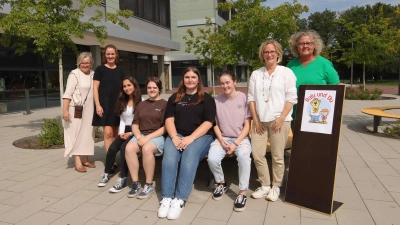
x,y
318,111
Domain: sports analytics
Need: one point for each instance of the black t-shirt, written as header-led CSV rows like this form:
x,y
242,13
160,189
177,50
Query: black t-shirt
x,y
188,115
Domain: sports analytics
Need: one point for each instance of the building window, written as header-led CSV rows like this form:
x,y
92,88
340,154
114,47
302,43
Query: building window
x,y
223,14
154,11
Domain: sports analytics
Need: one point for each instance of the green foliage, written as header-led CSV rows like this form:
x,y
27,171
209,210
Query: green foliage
x,y
52,25
395,129
360,93
52,133
98,132
238,39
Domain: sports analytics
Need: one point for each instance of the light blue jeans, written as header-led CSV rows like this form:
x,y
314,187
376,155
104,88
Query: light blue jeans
x,y
188,160
242,152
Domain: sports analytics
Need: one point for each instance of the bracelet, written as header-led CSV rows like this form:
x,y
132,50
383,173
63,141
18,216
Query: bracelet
x,y
235,144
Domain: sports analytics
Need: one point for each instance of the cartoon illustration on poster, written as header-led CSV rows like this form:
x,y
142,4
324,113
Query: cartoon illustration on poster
x,y
318,111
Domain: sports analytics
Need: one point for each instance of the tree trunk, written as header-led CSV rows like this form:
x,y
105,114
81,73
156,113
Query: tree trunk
x,y
61,76
212,83
364,75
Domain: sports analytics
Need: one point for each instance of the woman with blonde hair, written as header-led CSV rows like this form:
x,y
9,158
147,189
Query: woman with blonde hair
x,y
78,130
271,96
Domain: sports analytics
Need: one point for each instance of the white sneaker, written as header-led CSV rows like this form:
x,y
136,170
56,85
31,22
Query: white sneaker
x,y
261,192
273,195
165,204
177,206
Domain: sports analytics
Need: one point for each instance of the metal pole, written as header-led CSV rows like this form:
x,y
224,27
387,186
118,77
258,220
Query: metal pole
x,y
28,108
351,76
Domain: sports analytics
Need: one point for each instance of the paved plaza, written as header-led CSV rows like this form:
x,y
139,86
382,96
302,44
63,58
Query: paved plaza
x,y
42,187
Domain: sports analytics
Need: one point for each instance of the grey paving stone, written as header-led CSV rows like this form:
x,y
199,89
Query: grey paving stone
x,y
343,180
4,184
141,217
41,218
26,210
6,194
217,210
353,161
67,189
313,221
317,215
28,195
282,213
373,191
391,183
30,174
383,169
384,212
101,222
352,216
5,208
201,221
388,153
6,175
350,198
121,209
246,216
80,215
372,157
362,174
71,202
395,163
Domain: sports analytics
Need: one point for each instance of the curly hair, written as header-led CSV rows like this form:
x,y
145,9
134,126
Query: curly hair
x,y
316,39
278,48
82,56
123,98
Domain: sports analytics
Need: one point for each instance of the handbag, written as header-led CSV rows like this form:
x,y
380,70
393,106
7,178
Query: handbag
x,y
79,108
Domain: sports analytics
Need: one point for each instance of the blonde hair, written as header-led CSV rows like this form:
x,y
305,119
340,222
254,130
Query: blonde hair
x,y
82,56
277,46
314,36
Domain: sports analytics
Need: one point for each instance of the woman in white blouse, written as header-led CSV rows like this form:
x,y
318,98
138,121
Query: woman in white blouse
x,y
271,96
129,97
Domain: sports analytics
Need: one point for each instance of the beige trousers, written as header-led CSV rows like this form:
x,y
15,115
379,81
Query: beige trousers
x,y
259,148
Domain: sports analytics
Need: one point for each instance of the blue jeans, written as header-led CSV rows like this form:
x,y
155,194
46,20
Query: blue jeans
x,y
189,161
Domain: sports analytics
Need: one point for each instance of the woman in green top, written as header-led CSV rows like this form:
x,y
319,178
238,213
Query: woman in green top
x,y
308,66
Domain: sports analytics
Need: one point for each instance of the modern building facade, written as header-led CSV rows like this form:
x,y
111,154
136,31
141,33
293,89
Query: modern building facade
x,y
141,48
191,14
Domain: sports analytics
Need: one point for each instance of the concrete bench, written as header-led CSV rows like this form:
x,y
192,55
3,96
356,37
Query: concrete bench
x,y
378,113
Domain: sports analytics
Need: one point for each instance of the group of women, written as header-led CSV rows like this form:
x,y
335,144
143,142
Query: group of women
x,y
191,125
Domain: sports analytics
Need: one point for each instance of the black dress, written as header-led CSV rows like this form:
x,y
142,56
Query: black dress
x,y
110,84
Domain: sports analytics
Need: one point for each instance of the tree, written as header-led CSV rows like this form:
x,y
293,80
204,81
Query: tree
x,y
50,25
373,41
324,24
239,38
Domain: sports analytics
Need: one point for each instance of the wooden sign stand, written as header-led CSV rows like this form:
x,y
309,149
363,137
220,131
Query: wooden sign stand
x,y
312,169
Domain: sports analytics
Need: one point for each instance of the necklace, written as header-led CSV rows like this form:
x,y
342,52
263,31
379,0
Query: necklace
x,y
270,85
189,96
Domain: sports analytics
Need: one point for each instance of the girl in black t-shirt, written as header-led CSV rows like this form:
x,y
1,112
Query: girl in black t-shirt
x,y
189,118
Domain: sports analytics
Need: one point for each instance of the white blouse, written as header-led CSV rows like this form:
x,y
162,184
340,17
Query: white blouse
x,y
271,92
126,119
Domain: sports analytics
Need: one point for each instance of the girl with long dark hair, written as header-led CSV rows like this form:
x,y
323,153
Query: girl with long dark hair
x,y
129,97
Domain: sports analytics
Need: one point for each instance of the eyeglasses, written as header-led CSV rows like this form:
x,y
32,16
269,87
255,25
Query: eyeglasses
x,y
269,53
303,44
85,63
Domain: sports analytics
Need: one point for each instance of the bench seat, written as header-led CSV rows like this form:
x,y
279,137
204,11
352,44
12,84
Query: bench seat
x,y
378,113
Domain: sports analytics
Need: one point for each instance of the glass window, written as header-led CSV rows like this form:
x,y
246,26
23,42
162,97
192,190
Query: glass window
x,y
155,11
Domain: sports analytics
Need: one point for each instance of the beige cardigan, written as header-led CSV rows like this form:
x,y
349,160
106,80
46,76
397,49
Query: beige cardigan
x,y
72,91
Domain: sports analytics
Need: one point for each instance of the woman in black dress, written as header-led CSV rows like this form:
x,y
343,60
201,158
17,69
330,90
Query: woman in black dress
x,y
106,83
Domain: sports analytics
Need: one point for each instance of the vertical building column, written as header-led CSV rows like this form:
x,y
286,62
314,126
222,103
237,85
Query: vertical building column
x,y
243,73
96,54
161,74
209,75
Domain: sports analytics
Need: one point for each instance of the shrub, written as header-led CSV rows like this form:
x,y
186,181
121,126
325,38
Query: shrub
x,y
360,94
98,132
395,129
52,133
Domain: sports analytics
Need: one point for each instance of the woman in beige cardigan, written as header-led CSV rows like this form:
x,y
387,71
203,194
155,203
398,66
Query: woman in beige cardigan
x,y
79,132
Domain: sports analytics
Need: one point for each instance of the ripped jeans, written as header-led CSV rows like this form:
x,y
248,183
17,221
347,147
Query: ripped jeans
x,y
242,152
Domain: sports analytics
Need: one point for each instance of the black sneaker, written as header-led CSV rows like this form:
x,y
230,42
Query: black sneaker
x,y
104,180
240,203
119,186
134,190
220,191
147,191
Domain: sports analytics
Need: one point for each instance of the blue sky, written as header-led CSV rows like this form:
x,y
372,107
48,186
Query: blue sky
x,y
334,5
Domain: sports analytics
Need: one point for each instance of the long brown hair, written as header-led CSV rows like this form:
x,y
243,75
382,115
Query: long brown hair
x,y
123,98
103,56
182,89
